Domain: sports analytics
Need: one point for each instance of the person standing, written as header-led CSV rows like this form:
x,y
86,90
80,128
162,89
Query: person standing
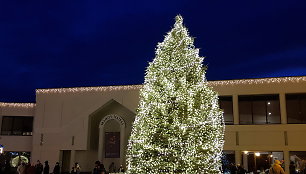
x,y
97,169
292,168
112,168
38,167
121,169
31,169
57,168
76,169
276,168
46,168
21,168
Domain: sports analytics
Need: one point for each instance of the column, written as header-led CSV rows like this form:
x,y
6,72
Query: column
x,y
287,160
0,119
122,148
237,157
72,158
1,114
235,109
101,144
283,109
245,161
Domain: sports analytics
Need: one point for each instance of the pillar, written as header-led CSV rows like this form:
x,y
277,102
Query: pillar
x,y
122,148
72,158
287,160
236,109
283,109
245,161
101,144
237,157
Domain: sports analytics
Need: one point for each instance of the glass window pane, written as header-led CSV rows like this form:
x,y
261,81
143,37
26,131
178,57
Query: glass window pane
x,y
245,112
27,126
296,108
259,112
273,111
7,123
226,104
259,109
303,109
18,126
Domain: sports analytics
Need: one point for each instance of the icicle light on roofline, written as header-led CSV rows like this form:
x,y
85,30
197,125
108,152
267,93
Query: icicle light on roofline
x,y
18,105
89,89
210,83
258,81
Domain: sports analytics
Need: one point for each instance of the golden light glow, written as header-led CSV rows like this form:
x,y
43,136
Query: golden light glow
x,y
257,154
246,152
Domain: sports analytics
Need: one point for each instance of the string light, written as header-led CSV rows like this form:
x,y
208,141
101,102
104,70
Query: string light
x,y
18,105
276,80
89,89
258,81
179,127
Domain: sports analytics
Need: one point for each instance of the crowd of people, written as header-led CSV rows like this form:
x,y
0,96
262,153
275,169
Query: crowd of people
x,y
38,168
100,169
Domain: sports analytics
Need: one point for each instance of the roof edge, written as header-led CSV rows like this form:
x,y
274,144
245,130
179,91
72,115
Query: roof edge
x,y
296,79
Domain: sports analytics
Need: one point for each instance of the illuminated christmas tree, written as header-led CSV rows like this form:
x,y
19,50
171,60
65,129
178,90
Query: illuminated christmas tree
x,y
179,126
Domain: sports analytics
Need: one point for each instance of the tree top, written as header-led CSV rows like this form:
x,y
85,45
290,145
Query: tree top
x,y
178,20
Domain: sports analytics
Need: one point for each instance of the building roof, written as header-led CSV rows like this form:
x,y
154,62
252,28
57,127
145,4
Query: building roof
x,y
210,83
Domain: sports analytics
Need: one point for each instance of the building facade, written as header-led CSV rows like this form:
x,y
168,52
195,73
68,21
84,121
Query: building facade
x,y
265,120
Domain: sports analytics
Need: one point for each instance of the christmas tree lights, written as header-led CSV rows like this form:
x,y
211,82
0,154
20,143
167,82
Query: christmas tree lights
x,y
179,126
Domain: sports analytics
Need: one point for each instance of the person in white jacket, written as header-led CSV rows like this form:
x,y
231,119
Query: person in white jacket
x,y
21,168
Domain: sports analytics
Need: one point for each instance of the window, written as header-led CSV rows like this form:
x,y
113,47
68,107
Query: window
x,y
259,160
296,108
297,160
228,161
226,104
17,125
259,109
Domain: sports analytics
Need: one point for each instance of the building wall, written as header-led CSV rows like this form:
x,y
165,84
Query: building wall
x,y
63,119
62,116
16,143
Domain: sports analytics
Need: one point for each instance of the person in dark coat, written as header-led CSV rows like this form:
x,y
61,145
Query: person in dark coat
x,y
38,167
46,168
233,168
7,167
30,169
240,169
57,168
292,168
97,169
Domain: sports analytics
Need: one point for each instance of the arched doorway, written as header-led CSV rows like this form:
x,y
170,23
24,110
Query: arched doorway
x,y
111,143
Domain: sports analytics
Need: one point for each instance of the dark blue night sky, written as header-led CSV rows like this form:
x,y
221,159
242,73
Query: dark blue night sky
x,y
50,44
